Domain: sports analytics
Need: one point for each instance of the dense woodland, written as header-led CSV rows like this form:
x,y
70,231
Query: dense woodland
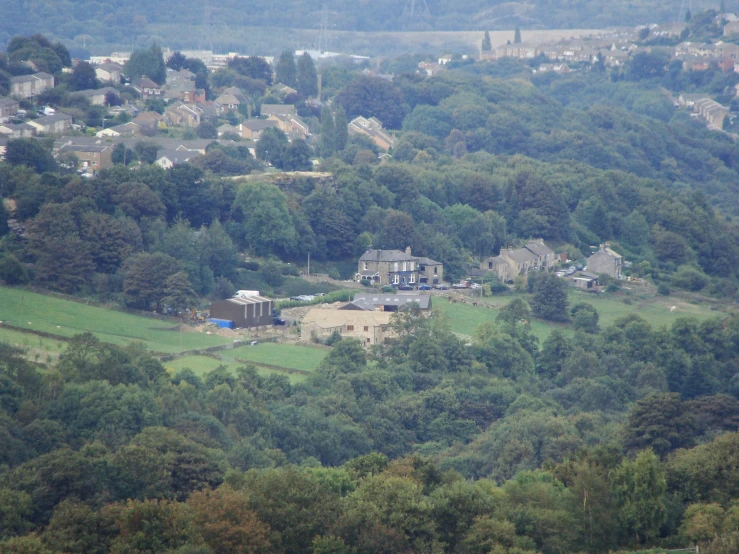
x,y
121,22
617,439
594,439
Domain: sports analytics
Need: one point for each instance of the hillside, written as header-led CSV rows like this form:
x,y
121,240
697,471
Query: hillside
x,y
95,23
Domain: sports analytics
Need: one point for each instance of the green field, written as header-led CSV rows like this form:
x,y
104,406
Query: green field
x,y
303,358
465,318
66,318
37,348
200,365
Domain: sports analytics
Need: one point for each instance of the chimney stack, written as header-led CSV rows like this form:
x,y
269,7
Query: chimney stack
x,y
408,250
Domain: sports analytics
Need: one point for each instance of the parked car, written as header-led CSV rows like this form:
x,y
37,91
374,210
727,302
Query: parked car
x,y
424,286
441,287
475,286
405,287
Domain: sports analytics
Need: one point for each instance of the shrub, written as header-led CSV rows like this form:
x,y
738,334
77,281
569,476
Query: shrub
x,y
690,278
663,289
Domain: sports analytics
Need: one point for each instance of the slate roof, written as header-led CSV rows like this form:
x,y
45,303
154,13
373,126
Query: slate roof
x,y
85,148
176,156
332,319
539,248
521,255
385,256
51,119
259,124
374,300
277,109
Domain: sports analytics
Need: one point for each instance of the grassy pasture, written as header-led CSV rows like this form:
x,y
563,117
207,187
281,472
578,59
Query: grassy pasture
x,y
302,358
200,365
465,318
67,318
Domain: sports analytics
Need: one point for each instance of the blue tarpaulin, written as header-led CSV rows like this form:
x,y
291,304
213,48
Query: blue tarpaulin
x,y
222,323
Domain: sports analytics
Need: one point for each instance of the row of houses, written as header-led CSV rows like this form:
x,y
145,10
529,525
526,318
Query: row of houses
x,y
28,86
705,107
50,124
511,262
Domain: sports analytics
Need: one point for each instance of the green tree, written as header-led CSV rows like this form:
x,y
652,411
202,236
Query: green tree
x,y
639,488
30,153
3,219
177,61
84,77
660,422
286,71
179,292
328,133
584,317
64,264
206,130
550,298
253,67
147,63
297,156
121,154
267,224
487,46
517,35
374,97
271,146
341,129
307,79
146,278
12,271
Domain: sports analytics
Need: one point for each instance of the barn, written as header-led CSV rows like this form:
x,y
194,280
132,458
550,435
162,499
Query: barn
x,y
250,311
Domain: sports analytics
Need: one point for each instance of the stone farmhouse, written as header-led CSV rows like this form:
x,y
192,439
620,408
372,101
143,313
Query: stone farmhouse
x,y
395,267
605,261
369,327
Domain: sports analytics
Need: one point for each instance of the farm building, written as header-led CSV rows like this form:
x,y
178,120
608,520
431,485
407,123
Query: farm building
x,y
584,281
369,327
251,311
387,302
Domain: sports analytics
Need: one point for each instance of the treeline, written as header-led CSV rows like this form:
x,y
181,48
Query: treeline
x,y
111,24
588,443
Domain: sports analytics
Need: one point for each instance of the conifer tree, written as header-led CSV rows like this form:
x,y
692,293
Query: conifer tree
x,y
486,44
307,77
328,133
286,70
342,130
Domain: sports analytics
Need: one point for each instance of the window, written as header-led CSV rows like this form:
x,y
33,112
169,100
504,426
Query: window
x,y
395,266
436,270
365,266
366,328
350,327
405,266
490,265
413,266
413,278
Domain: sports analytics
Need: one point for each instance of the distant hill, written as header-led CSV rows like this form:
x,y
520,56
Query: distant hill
x,y
95,23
